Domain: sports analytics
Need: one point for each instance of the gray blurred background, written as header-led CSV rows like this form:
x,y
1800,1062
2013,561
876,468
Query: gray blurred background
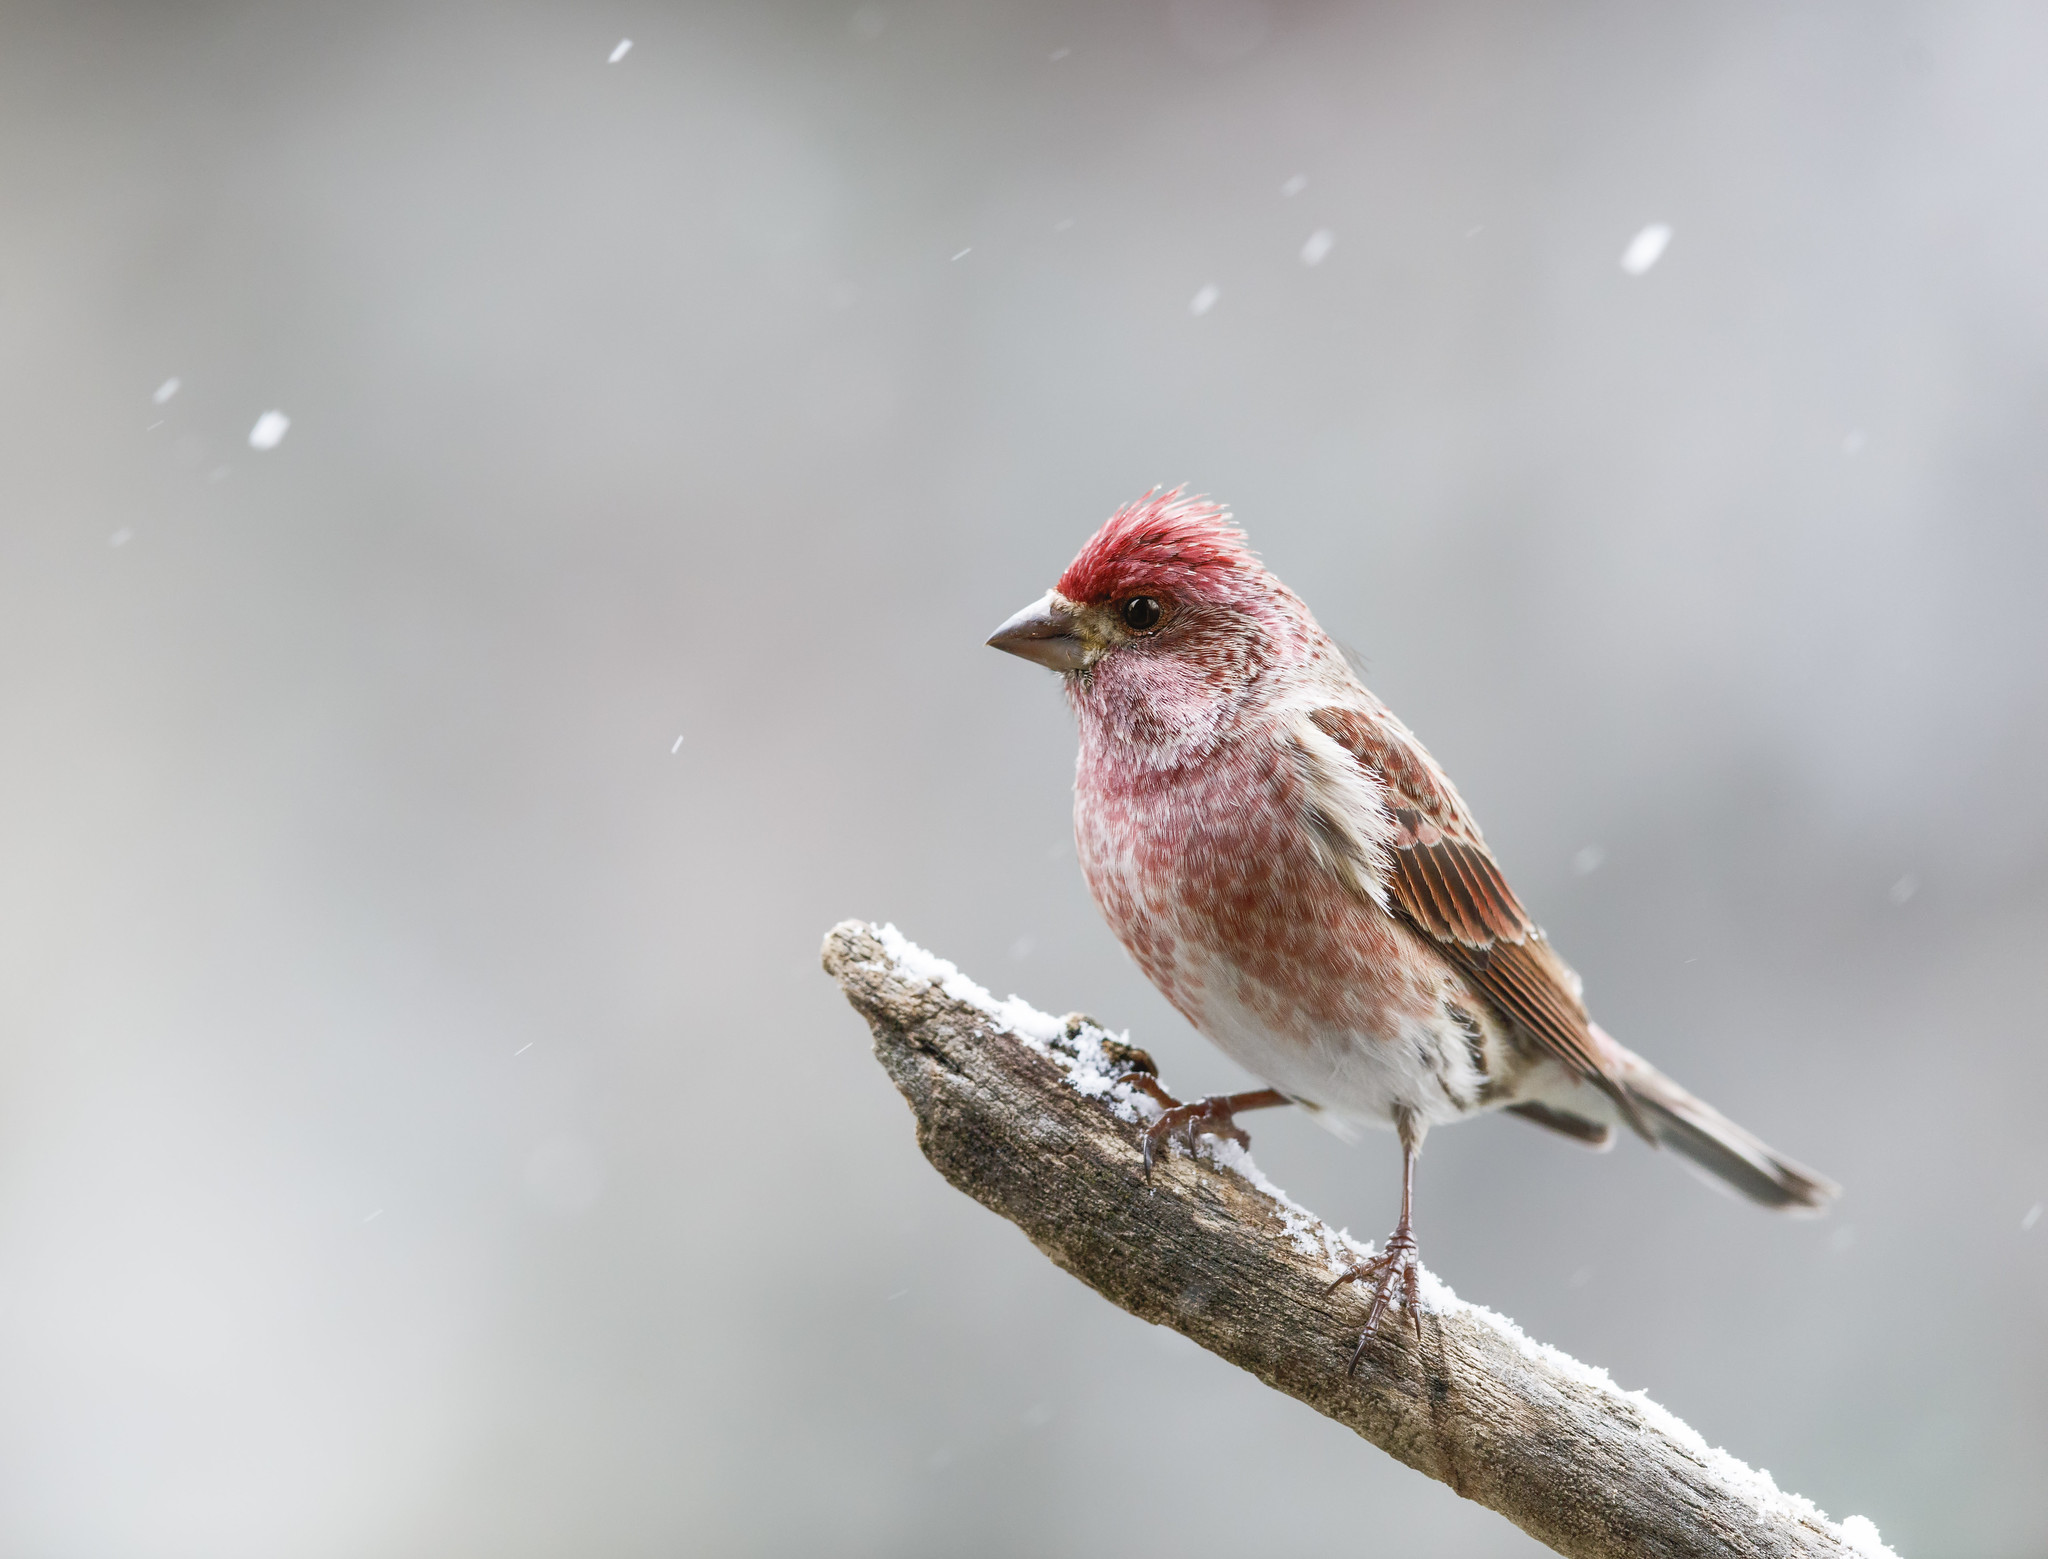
x,y
424,1129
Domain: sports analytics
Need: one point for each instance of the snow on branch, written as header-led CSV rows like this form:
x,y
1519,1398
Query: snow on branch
x,y
1023,1112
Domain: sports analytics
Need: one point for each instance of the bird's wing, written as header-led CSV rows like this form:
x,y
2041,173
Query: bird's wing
x,y
1442,881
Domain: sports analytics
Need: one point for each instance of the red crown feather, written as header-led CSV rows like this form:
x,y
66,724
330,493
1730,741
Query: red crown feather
x,y
1163,542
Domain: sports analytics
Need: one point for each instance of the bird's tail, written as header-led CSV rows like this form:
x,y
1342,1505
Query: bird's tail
x,y
1712,1142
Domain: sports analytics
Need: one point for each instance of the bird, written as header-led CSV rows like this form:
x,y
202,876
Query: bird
x,y
1300,879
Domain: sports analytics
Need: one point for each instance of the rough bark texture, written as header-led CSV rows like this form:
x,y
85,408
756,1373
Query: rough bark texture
x,y
1580,1468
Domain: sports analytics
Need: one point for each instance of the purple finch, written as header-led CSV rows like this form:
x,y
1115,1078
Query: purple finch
x,y
1299,878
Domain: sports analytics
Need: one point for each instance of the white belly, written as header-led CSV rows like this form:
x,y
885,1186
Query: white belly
x,y
1424,1065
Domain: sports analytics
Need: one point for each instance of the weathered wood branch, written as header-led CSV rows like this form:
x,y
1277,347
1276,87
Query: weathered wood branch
x,y
1019,1111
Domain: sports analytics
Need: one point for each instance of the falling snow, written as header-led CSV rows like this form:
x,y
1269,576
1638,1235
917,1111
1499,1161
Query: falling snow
x,y
2032,1217
1205,300
166,390
269,431
1645,249
1588,860
1295,185
1318,247
625,47
1902,891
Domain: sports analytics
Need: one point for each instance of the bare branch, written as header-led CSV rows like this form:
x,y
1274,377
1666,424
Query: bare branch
x,y
1018,1110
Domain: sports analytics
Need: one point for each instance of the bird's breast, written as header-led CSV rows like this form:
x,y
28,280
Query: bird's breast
x,y
1210,876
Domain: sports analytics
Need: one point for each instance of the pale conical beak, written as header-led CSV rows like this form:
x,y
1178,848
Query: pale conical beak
x,y
1044,632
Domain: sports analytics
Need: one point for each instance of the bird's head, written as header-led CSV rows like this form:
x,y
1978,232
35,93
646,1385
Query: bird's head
x,y
1165,615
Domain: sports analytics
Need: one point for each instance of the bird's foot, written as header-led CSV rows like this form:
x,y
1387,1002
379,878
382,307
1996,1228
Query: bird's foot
x,y
1211,1117
1395,1264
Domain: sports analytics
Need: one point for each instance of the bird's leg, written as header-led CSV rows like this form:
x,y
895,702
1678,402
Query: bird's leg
x,y
1212,1116
1396,1261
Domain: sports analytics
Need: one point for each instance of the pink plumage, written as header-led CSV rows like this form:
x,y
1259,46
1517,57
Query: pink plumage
x,y
1291,868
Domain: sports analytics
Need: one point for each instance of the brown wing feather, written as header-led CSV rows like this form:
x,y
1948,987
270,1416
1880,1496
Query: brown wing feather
x,y
1446,885
1420,877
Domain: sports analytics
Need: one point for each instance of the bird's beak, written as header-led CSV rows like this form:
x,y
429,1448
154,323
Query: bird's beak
x,y
1044,632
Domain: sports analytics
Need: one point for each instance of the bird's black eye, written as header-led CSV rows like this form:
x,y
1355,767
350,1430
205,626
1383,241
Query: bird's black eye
x,y
1141,612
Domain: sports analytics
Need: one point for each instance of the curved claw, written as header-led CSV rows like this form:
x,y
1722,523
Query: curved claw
x,y
1152,1089
1213,1116
1206,1117
1358,1353
1397,1261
